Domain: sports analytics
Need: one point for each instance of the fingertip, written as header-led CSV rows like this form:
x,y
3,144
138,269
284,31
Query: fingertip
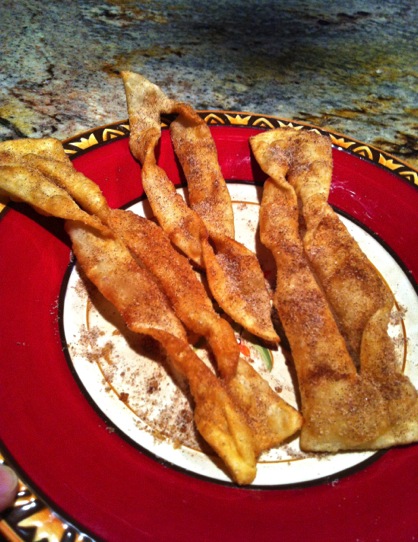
x,y
8,486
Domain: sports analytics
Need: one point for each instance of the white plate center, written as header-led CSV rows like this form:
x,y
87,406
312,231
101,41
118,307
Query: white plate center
x,y
125,375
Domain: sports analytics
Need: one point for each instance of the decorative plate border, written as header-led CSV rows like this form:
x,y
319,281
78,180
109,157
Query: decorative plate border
x,y
30,519
77,145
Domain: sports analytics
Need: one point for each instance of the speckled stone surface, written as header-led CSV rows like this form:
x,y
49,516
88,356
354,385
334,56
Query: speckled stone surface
x,y
350,66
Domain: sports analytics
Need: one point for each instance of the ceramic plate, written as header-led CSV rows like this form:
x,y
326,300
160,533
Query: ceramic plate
x,y
106,451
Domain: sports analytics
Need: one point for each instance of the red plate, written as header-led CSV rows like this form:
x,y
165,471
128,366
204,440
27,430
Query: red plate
x,y
80,476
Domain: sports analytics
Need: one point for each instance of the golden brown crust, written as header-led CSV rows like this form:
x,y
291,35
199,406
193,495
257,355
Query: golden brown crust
x,y
133,264
342,409
23,183
237,283
146,102
41,167
132,290
207,191
270,419
193,234
177,279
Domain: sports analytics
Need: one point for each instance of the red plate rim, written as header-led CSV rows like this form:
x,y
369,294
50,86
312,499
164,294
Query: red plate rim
x,y
86,141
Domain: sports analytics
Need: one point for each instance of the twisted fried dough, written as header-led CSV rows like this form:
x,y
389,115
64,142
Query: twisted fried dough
x,y
234,275
124,255
343,409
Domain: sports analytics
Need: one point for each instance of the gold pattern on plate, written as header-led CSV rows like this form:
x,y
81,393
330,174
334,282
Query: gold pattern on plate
x,y
47,526
411,176
34,520
388,162
265,123
341,142
364,150
213,118
86,142
111,133
239,119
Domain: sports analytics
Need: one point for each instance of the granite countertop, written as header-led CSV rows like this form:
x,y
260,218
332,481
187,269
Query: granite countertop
x,y
347,66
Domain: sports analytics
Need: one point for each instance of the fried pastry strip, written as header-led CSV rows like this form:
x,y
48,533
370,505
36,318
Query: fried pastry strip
x,y
207,191
351,283
46,147
142,305
131,289
185,228
84,191
238,285
272,420
175,276
146,102
178,281
216,416
233,271
47,157
255,425
144,308
22,183
360,298
109,265
342,409
331,391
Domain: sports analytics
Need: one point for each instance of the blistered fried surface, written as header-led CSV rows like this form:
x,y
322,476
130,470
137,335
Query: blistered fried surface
x,y
173,273
229,281
46,147
351,284
238,285
343,409
146,102
20,183
132,290
270,419
207,191
133,264
84,191
223,425
44,177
